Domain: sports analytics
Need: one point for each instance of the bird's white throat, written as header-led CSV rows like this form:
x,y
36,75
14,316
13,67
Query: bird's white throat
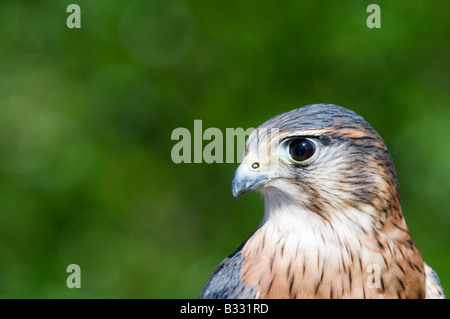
x,y
292,224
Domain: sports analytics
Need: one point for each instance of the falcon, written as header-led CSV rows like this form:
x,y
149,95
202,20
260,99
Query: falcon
x,y
333,226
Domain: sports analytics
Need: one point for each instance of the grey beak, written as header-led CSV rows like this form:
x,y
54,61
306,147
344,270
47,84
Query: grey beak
x,y
246,180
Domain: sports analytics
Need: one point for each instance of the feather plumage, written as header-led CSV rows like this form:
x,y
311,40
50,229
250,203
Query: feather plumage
x,y
333,225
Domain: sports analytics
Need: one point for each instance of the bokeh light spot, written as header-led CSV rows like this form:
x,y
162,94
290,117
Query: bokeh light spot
x,y
55,151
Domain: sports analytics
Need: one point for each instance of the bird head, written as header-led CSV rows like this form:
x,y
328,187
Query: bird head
x,y
323,158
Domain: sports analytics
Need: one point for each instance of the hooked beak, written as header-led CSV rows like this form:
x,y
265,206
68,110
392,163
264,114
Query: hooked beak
x,y
246,180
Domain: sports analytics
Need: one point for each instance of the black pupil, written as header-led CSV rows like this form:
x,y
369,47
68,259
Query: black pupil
x,y
301,149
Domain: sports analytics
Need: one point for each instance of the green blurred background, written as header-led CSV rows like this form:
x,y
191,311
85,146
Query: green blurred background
x,y
86,116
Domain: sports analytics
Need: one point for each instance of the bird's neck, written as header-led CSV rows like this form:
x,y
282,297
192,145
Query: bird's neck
x,y
306,252
286,216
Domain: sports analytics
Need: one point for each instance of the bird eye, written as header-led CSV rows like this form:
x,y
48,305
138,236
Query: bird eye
x,y
301,149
